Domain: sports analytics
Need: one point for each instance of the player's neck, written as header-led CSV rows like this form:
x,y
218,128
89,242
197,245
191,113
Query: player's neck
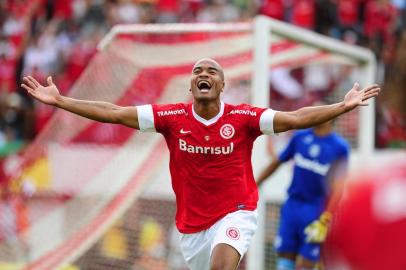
x,y
322,132
207,109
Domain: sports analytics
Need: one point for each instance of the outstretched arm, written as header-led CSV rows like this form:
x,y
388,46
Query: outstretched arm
x,y
96,110
311,116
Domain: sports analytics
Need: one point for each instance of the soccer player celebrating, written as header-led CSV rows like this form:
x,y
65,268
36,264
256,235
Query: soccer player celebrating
x,y
210,146
321,158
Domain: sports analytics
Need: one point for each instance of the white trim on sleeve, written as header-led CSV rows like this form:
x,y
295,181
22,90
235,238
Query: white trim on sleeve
x,y
146,118
266,122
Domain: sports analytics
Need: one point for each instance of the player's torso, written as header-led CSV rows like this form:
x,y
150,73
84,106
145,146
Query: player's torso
x,y
210,162
313,159
209,148
316,154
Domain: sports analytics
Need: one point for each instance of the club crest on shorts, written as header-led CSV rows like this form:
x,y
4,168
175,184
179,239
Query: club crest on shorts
x,y
227,131
233,233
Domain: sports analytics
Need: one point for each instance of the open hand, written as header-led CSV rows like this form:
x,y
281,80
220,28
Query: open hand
x,y
356,97
46,94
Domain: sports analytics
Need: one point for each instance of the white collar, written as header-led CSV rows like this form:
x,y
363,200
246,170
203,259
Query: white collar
x,y
212,120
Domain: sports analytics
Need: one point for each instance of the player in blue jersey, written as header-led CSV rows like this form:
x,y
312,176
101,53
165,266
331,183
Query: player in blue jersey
x,y
320,158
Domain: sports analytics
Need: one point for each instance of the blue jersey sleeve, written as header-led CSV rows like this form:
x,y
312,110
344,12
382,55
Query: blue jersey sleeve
x,y
339,168
290,149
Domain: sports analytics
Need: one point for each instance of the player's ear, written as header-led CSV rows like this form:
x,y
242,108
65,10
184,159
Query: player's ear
x,y
224,85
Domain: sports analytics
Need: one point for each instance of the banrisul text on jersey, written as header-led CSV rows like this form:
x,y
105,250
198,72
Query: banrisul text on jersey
x,y
212,150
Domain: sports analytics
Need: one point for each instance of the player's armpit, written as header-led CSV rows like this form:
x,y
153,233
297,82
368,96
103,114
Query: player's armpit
x,y
128,116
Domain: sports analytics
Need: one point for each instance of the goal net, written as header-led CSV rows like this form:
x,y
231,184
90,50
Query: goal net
x,y
88,195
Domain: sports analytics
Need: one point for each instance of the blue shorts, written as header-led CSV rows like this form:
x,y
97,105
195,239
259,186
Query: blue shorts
x,y
295,216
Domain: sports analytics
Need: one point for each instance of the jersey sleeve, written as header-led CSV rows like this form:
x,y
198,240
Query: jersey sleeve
x,y
159,117
266,122
339,168
345,150
289,150
260,119
146,118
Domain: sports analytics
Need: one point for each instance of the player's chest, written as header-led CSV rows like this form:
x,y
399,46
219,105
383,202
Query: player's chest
x,y
318,151
223,133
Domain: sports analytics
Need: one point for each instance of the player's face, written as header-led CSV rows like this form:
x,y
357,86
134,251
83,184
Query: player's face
x,y
207,80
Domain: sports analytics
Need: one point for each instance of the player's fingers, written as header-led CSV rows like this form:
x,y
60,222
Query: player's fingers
x,y
28,89
34,81
370,95
372,87
29,82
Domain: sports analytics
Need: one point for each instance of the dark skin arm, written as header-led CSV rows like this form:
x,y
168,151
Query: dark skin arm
x,y
110,113
96,110
307,117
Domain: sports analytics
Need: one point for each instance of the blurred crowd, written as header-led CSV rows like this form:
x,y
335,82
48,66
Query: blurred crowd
x,y
58,38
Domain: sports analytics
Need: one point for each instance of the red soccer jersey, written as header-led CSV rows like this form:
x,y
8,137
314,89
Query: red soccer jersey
x,y
348,12
210,160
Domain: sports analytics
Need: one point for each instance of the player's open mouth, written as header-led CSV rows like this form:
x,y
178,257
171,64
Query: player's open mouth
x,y
204,86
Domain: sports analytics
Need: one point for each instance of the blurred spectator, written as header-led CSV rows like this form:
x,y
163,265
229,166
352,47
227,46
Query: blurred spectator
x,y
167,11
391,128
380,26
303,13
273,8
219,11
347,16
190,9
7,68
326,19
401,6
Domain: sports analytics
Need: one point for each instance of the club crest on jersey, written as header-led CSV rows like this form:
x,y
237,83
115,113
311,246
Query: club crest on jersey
x,y
314,150
233,233
227,131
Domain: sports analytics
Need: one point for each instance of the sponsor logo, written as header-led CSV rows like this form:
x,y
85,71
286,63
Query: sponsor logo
x,y
311,165
233,233
227,131
184,131
243,112
171,112
213,150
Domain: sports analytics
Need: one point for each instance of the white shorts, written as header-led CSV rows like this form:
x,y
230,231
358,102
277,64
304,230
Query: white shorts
x,y
235,229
